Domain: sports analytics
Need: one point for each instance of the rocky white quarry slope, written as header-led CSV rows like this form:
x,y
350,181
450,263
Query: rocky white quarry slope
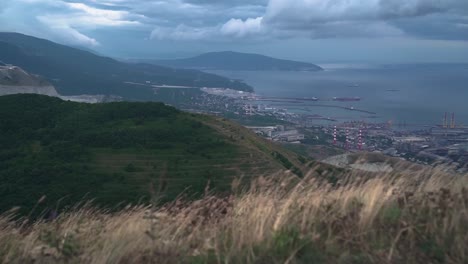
x,y
14,80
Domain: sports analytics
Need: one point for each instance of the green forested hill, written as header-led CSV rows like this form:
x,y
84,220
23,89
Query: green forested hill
x,y
117,152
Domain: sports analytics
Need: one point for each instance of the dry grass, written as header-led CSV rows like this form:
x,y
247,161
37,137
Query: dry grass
x,y
408,218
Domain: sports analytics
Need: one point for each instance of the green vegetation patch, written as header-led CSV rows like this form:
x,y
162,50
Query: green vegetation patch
x,y
113,153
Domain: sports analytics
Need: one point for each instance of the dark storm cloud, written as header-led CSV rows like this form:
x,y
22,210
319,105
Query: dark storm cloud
x,y
320,18
436,26
196,13
316,11
240,20
205,19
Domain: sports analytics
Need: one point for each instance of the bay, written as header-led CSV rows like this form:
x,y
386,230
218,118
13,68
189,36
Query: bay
x,y
411,94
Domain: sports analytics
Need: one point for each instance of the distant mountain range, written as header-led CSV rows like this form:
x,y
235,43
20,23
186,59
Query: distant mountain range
x,y
236,61
75,71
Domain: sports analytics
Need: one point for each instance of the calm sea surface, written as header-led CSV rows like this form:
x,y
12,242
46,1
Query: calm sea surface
x,y
411,94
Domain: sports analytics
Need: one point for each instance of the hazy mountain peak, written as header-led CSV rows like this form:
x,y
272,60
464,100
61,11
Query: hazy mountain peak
x,y
231,60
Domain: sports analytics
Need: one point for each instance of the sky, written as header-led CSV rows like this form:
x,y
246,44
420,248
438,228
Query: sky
x,y
321,31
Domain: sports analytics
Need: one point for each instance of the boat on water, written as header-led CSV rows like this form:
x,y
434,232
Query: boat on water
x,y
347,99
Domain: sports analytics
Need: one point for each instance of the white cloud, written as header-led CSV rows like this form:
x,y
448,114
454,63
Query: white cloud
x,y
97,17
183,32
66,33
242,28
234,28
80,15
61,21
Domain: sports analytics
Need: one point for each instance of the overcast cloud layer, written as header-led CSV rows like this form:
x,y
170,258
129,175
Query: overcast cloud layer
x,y
214,24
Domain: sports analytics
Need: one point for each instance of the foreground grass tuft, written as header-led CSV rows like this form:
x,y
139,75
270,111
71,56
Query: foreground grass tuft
x,y
406,218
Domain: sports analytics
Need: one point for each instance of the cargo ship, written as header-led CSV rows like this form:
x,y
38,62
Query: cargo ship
x,y
347,99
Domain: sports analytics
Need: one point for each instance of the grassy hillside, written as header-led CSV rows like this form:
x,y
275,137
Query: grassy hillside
x,y
74,71
119,152
395,218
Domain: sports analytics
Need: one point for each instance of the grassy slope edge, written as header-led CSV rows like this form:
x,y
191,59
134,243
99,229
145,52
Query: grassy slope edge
x,y
395,218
